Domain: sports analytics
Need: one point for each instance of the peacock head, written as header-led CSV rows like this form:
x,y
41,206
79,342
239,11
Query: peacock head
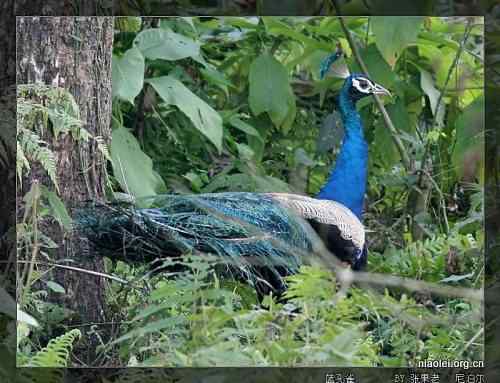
x,y
358,86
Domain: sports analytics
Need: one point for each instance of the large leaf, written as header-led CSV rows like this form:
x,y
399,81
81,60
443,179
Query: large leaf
x,y
202,115
393,34
159,43
128,75
132,167
270,89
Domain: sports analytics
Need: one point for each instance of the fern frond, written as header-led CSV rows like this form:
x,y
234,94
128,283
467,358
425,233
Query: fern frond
x,y
56,354
32,147
48,161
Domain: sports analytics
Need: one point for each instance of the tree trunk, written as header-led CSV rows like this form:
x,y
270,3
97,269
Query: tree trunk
x,y
75,54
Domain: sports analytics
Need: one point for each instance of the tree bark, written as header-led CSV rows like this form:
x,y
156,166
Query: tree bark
x,y
75,54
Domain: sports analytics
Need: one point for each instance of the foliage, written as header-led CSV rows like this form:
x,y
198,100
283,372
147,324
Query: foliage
x,y
192,318
56,354
237,104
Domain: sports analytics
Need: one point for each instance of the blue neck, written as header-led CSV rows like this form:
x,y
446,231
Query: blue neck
x,y
347,181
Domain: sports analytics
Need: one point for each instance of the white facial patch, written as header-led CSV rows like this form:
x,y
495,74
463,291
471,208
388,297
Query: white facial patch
x,y
363,85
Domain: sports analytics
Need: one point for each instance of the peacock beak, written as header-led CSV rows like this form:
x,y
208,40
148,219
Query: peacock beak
x,y
379,89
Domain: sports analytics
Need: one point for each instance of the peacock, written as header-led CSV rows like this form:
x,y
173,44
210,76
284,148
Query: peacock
x,y
260,237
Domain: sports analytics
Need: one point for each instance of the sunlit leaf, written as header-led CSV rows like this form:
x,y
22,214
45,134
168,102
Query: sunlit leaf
x,y
270,89
128,75
132,167
160,43
393,34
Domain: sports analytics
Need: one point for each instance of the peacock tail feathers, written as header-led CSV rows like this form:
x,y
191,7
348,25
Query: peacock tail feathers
x,y
256,236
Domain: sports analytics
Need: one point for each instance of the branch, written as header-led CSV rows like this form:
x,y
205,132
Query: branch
x,y
388,123
412,285
72,268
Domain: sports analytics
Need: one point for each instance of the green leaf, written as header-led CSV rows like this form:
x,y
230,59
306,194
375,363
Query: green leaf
x,y
59,211
270,89
378,68
55,287
427,85
393,34
128,75
440,59
160,43
132,167
202,115
245,153
244,127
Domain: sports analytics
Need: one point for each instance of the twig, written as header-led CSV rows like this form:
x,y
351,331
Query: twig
x,y
394,133
471,341
72,268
